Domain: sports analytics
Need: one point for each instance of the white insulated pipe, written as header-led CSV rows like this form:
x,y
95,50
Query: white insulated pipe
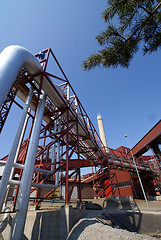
x,y
21,166
33,184
12,59
20,142
101,130
57,126
58,154
53,151
12,154
24,192
22,135
125,164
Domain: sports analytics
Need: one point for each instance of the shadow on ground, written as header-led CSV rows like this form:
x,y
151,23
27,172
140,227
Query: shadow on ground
x,y
79,227
122,213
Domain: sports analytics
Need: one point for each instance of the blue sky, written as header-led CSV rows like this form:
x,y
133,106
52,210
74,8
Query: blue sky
x,y
128,99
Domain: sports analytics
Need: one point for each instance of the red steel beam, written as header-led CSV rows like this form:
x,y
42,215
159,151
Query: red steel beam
x,y
154,135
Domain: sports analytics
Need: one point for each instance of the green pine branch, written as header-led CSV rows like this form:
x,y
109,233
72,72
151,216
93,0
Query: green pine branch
x,y
139,21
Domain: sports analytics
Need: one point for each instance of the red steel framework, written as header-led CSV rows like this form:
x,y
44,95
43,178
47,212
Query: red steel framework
x,y
73,117
71,131
4,111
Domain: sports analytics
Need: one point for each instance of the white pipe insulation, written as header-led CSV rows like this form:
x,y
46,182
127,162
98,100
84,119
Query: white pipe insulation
x,y
58,154
53,151
21,166
12,154
12,59
33,184
24,192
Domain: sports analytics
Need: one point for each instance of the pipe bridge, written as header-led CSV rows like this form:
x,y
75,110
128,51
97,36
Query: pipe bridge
x,y
61,137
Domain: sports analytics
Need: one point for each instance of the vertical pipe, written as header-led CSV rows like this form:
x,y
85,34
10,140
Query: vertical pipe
x,y
61,153
22,134
11,157
67,160
58,153
68,92
20,142
76,106
53,151
79,173
24,192
38,191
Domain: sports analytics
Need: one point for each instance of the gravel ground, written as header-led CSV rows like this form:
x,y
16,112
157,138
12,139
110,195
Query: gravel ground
x,y
95,228
92,229
97,231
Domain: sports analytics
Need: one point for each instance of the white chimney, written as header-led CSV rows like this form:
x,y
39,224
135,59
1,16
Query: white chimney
x,y
101,130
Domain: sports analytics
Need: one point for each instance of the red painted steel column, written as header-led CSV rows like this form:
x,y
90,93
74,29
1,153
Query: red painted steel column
x,y
93,183
79,173
67,160
38,174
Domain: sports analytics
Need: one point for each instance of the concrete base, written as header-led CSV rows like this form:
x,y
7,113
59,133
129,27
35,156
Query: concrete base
x,y
140,222
48,224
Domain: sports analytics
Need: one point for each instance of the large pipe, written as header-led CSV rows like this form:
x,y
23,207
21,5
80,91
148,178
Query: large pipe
x,y
12,59
11,157
24,192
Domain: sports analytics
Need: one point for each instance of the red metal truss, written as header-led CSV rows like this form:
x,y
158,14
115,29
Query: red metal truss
x,y
7,104
76,137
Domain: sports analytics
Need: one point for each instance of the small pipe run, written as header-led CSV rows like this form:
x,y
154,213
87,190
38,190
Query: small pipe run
x,y
21,166
33,184
12,154
24,192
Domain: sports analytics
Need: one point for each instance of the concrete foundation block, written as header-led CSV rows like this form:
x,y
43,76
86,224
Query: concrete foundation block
x,y
42,225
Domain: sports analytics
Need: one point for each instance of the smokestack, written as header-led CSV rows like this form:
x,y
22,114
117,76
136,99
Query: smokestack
x,y
101,131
